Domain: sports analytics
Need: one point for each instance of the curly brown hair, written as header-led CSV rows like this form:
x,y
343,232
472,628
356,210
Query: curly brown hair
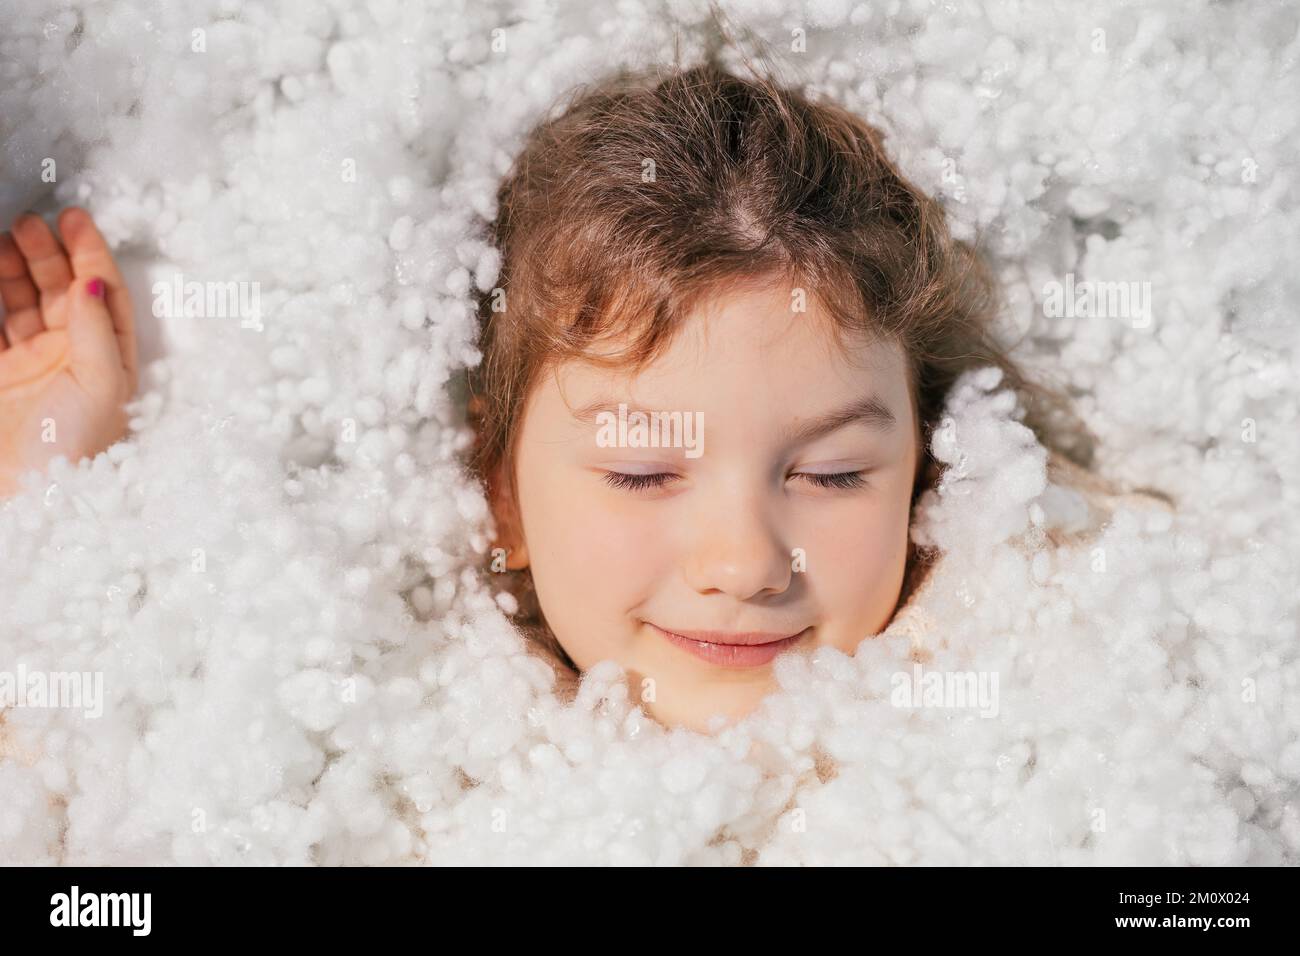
x,y
644,194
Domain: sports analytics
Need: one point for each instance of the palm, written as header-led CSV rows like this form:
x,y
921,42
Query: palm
x,y
62,389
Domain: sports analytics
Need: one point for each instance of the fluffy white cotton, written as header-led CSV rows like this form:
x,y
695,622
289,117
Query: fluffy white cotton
x,y
279,576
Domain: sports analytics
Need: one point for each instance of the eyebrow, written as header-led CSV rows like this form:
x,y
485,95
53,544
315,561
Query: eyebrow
x,y
869,411
587,413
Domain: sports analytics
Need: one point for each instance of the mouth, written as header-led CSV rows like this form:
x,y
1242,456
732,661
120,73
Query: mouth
x,y
733,649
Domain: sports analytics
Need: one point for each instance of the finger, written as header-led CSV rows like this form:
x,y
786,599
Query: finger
x,y
47,263
33,360
91,258
93,356
23,325
18,294
17,291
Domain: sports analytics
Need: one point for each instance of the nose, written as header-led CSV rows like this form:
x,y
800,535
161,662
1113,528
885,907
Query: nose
x,y
737,548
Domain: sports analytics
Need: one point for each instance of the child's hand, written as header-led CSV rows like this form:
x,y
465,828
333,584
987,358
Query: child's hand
x,y
67,348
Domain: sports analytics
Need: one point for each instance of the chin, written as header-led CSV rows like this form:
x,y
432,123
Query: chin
x,y
733,704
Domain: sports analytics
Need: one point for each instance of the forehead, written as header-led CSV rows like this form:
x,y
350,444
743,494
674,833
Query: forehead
x,y
752,356
772,332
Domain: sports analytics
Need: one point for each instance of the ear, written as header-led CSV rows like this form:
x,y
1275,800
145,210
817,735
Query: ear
x,y
505,513
474,408
928,472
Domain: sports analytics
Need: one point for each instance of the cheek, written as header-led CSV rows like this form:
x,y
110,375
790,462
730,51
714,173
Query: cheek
x,y
584,541
861,554
591,562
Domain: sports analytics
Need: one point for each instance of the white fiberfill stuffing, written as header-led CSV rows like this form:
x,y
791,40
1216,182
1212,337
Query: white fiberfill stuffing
x,y
280,575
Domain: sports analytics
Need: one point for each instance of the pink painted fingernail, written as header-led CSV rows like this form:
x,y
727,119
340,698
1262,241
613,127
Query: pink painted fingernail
x,y
95,287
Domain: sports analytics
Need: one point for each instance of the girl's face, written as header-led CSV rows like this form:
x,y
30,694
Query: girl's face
x,y
778,526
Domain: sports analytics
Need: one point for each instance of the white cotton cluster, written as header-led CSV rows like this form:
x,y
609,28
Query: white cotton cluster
x,y
281,577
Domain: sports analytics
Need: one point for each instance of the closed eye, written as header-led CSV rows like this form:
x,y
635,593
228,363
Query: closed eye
x,y
846,480
840,479
619,479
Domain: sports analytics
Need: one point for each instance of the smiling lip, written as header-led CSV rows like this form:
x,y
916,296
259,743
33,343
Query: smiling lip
x,y
730,649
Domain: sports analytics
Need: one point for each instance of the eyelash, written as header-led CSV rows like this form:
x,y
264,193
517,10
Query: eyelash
x,y
846,480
